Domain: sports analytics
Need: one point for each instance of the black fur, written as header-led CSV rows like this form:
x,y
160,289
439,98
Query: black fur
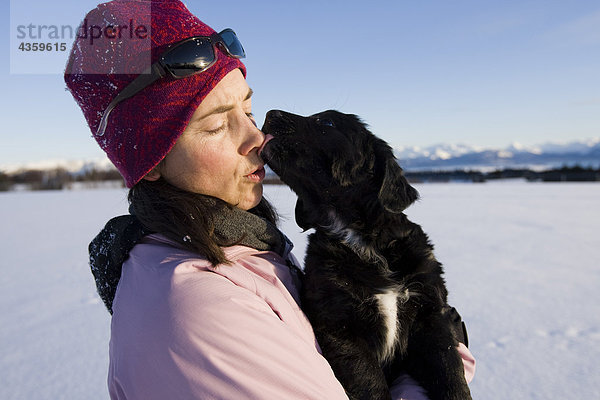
x,y
364,250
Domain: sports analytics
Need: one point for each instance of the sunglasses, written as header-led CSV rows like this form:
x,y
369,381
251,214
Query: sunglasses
x,y
182,59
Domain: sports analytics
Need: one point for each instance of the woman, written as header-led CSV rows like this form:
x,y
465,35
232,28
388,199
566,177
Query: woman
x,y
202,286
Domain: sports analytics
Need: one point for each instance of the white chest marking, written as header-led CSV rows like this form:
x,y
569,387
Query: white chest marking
x,y
387,302
388,307
352,239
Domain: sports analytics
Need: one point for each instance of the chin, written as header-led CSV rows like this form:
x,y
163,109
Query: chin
x,y
252,199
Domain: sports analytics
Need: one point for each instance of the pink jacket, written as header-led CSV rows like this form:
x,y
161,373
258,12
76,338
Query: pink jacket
x,y
182,329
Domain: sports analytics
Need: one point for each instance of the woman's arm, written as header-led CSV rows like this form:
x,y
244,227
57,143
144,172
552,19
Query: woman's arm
x,y
222,341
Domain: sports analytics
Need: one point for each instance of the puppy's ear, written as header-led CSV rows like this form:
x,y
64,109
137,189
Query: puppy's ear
x,y
396,194
301,214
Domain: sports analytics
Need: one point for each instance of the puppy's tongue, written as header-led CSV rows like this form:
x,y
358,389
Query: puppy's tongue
x,y
268,137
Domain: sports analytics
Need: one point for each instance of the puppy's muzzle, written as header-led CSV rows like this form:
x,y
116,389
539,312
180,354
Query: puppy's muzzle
x,y
279,123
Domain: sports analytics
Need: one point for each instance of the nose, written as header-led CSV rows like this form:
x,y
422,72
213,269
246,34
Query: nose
x,y
268,138
253,138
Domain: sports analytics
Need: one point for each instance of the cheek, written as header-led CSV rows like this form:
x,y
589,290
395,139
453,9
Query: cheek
x,y
197,168
213,170
208,162
209,169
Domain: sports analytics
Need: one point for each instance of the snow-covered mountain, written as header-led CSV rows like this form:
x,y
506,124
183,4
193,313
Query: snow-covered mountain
x,y
585,153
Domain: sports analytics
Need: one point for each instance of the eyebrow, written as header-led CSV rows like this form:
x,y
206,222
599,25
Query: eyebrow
x,y
224,108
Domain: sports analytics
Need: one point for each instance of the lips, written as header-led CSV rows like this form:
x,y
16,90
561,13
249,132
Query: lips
x,y
258,175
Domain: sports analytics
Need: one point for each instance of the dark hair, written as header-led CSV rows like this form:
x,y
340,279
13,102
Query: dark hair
x,y
186,217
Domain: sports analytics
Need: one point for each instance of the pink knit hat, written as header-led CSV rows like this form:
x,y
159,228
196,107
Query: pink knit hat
x,y
142,129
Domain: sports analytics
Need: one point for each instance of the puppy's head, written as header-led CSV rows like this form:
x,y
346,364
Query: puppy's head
x,y
332,161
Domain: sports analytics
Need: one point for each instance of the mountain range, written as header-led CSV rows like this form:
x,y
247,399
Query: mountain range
x,y
585,153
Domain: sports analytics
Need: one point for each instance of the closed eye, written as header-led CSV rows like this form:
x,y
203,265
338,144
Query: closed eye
x,y
218,130
251,116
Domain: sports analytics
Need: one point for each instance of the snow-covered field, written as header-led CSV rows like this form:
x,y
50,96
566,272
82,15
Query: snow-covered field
x,y
521,262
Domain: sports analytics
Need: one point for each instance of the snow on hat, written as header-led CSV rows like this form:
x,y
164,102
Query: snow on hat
x,y
114,44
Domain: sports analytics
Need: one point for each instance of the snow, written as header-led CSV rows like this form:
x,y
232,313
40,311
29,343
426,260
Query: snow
x,y
505,154
441,151
521,264
522,267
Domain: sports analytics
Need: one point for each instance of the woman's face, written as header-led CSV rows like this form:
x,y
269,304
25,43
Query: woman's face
x,y
217,153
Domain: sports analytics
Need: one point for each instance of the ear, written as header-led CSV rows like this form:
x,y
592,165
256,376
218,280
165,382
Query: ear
x,y
301,214
396,194
153,175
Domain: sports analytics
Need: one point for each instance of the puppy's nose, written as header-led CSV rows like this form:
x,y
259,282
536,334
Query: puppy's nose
x,y
278,123
272,119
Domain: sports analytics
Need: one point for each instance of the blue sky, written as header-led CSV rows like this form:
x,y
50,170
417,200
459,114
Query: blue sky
x,y
484,73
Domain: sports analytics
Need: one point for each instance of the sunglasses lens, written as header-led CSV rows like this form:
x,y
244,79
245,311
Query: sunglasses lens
x,y
190,57
234,47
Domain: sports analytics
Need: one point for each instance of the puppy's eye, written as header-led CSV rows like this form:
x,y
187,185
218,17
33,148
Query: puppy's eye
x,y
325,122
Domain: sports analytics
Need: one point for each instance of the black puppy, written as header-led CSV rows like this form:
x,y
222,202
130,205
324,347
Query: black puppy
x,y
373,289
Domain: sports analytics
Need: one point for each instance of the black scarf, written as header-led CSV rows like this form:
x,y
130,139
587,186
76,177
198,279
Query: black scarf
x,y
111,247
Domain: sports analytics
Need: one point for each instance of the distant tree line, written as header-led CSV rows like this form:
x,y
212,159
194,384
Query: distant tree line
x,y
60,178
53,179
563,174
